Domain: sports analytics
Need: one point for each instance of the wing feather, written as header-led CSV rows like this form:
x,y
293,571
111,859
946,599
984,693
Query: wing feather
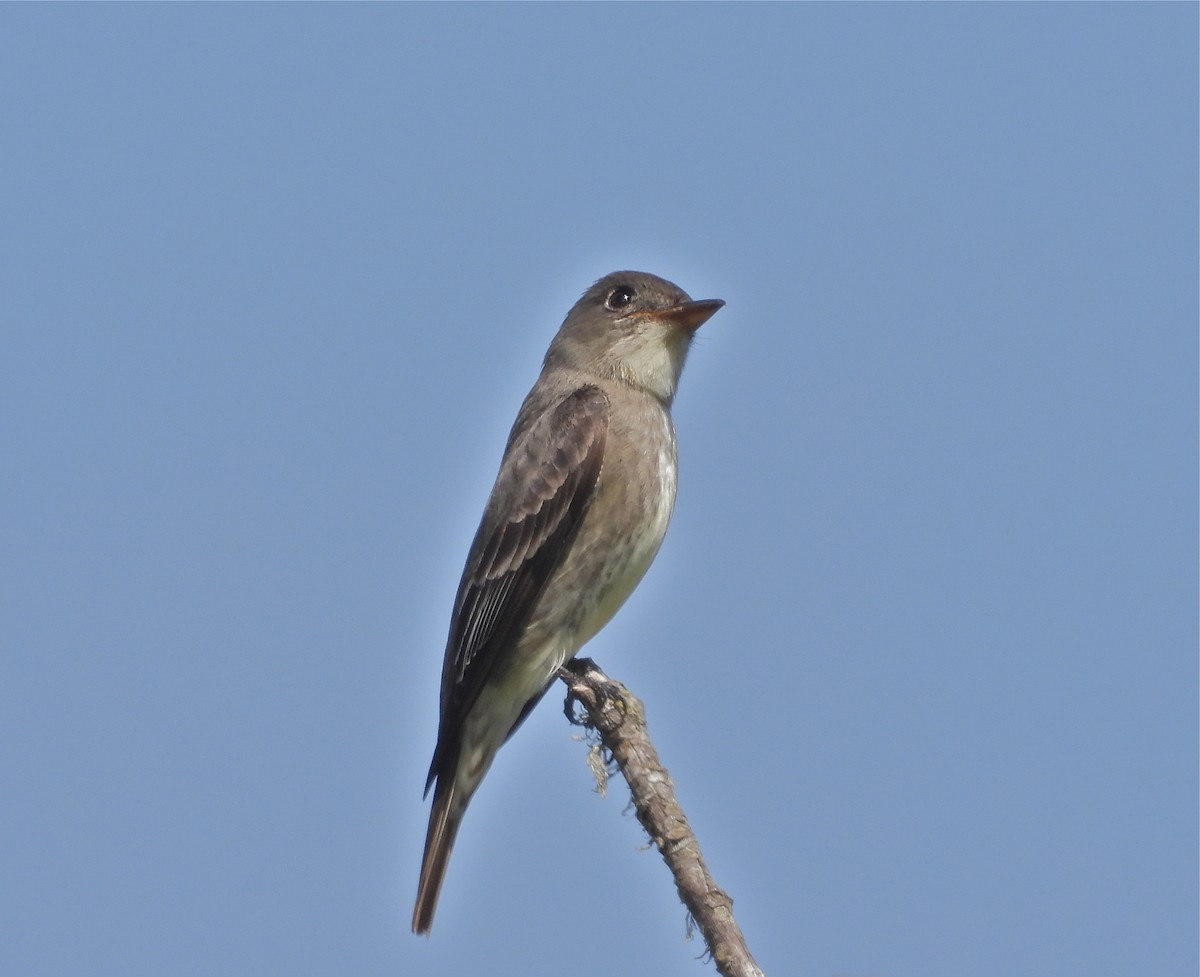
x,y
543,489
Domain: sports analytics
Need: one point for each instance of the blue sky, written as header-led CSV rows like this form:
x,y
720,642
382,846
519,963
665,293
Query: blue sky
x,y
920,648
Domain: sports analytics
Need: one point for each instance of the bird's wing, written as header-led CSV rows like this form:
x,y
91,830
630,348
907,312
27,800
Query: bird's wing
x,y
536,507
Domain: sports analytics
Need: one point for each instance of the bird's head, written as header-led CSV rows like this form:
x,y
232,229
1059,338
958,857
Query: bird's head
x,y
633,327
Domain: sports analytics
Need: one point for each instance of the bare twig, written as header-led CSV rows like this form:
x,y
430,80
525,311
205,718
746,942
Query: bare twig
x,y
619,717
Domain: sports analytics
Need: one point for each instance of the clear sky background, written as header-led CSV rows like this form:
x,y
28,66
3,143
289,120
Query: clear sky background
x,y
920,648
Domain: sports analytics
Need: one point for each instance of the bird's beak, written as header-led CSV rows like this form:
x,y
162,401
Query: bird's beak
x,y
688,315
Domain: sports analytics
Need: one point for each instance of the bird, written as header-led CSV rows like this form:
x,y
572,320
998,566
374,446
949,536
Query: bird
x,y
578,511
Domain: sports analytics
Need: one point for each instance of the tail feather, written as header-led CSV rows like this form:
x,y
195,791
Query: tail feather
x,y
439,841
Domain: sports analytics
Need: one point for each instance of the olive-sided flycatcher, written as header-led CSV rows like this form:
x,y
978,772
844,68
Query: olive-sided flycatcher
x,y
578,511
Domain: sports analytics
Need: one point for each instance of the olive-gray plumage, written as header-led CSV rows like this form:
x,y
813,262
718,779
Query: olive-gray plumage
x,y
578,511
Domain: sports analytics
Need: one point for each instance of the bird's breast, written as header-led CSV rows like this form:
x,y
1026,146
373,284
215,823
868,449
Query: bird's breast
x,y
628,518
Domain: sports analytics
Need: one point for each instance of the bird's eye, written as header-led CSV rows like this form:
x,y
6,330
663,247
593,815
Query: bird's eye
x,y
619,297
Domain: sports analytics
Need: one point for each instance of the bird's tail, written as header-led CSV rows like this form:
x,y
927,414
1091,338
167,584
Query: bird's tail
x,y
444,820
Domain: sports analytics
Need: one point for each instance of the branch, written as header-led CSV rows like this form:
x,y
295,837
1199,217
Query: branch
x,y
619,717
